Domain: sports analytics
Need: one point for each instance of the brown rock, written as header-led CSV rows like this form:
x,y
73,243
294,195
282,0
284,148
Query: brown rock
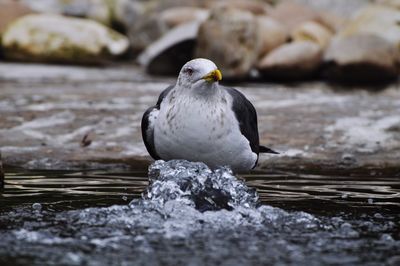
x,y
314,32
175,16
272,34
294,60
361,58
292,14
230,39
10,11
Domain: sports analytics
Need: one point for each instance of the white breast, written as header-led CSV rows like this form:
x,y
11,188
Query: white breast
x,y
202,130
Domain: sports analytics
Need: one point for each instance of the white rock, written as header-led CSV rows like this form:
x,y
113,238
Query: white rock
x,y
46,37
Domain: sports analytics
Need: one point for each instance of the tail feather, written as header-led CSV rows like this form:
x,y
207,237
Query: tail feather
x,y
264,149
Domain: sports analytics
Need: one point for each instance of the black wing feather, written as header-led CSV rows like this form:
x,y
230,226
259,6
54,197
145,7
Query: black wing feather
x,y
247,117
147,132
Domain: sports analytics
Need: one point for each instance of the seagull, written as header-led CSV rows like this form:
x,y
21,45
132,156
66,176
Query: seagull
x,y
199,120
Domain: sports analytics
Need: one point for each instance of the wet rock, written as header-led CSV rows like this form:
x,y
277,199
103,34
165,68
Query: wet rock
x,y
361,58
54,38
180,15
10,11
314,32
272,34
294,60
167,55
230,39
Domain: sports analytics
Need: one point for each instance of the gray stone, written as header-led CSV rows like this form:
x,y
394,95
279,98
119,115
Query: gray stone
x,y
295,60
47,111
167,55
54,38
361,58
230,39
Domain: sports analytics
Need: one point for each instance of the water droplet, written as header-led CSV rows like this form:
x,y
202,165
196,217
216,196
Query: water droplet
x,y
124,198
37,206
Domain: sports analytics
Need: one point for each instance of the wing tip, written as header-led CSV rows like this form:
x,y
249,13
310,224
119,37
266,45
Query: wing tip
x,y
264,149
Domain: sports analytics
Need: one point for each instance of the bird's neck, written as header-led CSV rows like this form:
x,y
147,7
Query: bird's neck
x,y
206,91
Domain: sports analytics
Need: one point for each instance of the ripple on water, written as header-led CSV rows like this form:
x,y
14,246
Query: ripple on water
x,y
190,215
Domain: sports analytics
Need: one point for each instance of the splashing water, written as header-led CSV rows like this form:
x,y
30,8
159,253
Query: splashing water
x,y
191,215
196,183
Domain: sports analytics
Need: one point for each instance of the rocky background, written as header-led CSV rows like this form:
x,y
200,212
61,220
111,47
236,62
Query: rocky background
x,y
117,53
351,41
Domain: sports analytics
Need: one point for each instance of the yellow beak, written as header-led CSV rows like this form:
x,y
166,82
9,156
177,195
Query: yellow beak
x,y
213,76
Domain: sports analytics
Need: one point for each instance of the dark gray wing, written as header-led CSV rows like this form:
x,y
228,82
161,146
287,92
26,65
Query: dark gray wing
x,y
148,126
247,117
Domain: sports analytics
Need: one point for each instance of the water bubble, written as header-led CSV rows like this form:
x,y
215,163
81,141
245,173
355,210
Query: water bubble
x,y
124,198
370,201
203,188
37,206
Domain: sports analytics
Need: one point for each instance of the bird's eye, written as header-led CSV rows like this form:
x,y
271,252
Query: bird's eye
x,y
189,71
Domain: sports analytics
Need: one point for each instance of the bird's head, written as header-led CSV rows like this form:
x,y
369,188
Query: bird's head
x,y
199,73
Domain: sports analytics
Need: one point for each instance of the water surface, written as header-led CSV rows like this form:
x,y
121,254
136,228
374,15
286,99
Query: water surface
x,y
84,218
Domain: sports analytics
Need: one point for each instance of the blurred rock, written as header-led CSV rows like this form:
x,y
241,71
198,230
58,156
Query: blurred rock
x,y
230,39
391,3
272,34
54,38
98,10
361,58
314,32
293,14
11,10
296,60
179,15
145,23
255,7
167,55
367,48
343,8
377,20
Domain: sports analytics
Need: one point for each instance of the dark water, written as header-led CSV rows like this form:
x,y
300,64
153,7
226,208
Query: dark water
x,y
88,218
